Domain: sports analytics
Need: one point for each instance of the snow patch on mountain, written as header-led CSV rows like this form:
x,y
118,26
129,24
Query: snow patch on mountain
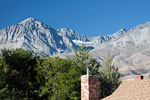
x,y
78,42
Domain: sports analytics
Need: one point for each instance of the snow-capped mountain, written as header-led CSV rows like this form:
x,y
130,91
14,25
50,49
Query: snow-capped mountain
x,y
133,37
130,49
36,36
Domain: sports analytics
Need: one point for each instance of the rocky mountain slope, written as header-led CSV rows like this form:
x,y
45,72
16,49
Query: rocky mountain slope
x,y
130,49
36,36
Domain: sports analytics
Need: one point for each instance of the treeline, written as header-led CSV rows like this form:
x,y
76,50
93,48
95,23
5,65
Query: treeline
x,y
26,76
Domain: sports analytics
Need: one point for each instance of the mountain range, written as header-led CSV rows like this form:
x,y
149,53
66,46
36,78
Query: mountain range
x,y
130,49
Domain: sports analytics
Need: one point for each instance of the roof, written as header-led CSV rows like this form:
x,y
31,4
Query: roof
x,y
132,90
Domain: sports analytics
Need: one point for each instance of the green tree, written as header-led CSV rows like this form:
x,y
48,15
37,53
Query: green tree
x,y
41,79
109,77
58,79
83,58
3,86
2,75
18,68
148,76
51,78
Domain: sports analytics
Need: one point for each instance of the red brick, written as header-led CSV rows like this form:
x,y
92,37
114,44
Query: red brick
x,y
90,86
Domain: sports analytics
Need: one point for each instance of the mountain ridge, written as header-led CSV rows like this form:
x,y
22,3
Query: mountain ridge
x,y
129,48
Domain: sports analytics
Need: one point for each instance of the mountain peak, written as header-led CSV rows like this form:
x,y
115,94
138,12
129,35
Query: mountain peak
x,y
122,30
140,27
147,23
63,29
119,32
30,22
30,18
27,20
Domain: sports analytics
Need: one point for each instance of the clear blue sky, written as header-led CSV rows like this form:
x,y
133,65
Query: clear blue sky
x,y
89,17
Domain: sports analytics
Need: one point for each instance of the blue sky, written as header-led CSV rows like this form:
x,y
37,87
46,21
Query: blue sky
x,y
89,17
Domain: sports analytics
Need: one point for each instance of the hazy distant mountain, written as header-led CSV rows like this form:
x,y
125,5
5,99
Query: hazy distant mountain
x,y
130,49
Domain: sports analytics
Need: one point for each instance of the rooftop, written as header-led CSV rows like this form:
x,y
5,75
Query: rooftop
x,y
132,90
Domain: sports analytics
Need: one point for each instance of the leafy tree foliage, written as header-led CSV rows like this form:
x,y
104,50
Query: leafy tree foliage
x,y
25,76
109,77
17,69
58,79
2,75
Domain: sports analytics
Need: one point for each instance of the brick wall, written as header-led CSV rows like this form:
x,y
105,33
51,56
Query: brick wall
x,y
90,87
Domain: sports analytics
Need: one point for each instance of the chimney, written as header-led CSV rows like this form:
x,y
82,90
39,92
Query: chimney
x,y
90,87
139,77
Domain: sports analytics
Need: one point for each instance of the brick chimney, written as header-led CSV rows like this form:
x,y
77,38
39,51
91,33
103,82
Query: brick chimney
x,y
139,77
90,87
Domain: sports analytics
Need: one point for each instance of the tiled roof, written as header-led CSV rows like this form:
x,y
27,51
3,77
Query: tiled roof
x,y
132,90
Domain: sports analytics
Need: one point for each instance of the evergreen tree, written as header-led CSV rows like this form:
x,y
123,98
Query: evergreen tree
x,y
148,76
109,77
83,58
